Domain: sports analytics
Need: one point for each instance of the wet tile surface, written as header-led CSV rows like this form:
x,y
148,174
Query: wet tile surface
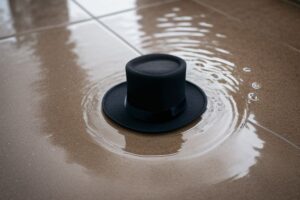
x,y
21,16
56,144
261,74
98,8
278,19
47,152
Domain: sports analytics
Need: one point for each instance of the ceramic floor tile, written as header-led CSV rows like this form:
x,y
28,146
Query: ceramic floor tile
x,y
258,73
47,151
99,8
56,144
19,16
36,69
277,19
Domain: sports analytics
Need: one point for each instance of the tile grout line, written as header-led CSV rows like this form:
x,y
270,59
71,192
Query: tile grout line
x,y
97,19
107,28
291,3
291,47
44,28
132,9
238,20
217,10
119,37
275,134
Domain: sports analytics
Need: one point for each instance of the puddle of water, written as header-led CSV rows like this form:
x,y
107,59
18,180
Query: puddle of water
x,y
74,126
209,66
219,121
61,136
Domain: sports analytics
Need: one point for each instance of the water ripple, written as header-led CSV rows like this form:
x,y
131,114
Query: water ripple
x,y
210,66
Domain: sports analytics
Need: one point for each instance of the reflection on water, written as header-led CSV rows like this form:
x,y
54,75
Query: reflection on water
x,y
210,65
220,146
22,16
219,122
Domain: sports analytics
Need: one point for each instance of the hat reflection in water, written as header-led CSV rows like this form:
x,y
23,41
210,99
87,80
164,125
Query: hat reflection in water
x,y
220,145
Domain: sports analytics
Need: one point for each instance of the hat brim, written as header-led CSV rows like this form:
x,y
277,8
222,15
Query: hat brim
x,y
113,107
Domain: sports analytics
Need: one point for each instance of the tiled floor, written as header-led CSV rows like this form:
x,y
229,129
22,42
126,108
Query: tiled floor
x,y
275,67
57,58
278,19
101,8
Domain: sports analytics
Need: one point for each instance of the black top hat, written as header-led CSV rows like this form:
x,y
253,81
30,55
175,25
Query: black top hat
x,y
156,96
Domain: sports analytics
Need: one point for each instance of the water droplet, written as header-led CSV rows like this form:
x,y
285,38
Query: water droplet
x,y
252,96
220,35
205,24
176,9
247,69
256,85
162,19
170,15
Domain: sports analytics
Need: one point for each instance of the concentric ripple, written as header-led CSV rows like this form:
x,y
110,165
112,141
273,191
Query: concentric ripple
x,y
211,66
221,119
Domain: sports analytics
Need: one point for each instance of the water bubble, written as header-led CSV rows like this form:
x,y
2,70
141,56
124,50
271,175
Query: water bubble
x,y
247,69
256,85
252,96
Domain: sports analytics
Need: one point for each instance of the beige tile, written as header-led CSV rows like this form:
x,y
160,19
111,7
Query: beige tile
x,y
47,151
99,8
259,75
19,16
42,81
277,19
56,144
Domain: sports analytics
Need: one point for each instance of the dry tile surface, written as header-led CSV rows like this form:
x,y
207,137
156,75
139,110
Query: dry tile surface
x,y
56,144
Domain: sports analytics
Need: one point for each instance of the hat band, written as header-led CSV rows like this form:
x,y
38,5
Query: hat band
x,y
155,116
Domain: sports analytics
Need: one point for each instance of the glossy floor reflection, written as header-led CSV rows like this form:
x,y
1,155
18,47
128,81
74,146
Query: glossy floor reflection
x,y
241,64
56,144
24,16
277,19
101,8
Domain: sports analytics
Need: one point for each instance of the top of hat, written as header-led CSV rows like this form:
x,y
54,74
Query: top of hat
x,y
156,65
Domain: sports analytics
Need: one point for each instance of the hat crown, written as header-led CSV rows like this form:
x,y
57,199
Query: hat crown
x,y
156,83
